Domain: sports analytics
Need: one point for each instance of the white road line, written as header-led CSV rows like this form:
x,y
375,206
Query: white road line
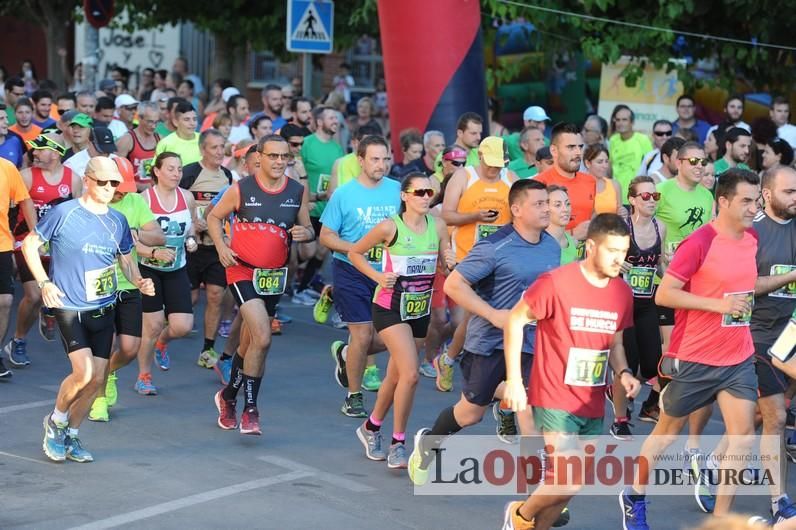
x,y
26,406
331,478
191,500
25,458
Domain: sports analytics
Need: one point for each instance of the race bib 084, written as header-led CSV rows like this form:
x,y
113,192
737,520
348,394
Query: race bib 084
x,y
269,282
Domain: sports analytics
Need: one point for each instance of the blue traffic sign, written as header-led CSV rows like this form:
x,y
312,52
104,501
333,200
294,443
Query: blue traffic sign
x,y
310,26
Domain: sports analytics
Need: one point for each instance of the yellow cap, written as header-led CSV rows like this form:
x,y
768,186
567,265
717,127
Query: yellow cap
x,y
491,148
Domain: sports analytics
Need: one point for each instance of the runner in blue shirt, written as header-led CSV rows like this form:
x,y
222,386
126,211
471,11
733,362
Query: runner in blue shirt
x,y
86,240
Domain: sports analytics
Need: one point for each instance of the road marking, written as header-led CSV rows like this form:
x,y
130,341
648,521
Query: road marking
x,y
331,478
25,406
25,458
191,500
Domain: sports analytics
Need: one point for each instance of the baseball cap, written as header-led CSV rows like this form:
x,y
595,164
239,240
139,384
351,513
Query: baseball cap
x,y
103,140
103,168
107,84
242,149
491,148
535,114
46,141
125,100
80,118
229,92
544,154
453,152
126,171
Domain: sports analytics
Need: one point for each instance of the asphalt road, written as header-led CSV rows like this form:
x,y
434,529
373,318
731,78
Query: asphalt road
x,y
161,462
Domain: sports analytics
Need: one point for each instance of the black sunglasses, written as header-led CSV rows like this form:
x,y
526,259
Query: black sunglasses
x,y
662,133
103,183
457,163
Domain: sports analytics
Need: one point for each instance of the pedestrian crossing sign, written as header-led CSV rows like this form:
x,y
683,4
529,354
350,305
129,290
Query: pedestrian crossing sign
x,y
310,26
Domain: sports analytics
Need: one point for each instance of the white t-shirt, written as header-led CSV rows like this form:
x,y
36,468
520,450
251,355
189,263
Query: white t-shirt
x,y
651,163
117,128
788,133
238,133
78,162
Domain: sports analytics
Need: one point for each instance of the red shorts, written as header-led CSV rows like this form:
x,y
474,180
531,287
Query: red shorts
x,y
439,300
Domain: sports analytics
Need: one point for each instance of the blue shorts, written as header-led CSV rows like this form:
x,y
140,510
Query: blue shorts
x,y
353,293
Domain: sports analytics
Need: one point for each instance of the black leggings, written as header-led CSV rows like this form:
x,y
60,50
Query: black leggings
x,y
643,341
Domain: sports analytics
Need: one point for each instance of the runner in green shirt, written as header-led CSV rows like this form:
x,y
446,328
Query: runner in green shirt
x,y
185,140
737,144
319,153
535,117
531,140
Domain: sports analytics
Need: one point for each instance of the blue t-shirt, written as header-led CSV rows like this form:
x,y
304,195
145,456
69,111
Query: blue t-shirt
x,y
44,124
354,210
500,268
13,149
84,247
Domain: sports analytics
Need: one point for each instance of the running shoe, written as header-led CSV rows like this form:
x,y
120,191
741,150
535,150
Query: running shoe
x,y
111,392
223,368
354,406
336,321
303,298
756,521
621,430
704,491
250,421
276,327
649,414
53,443
427,370
692,460
340,374
418,474
444,374
512,519
144,386
372,441
99,410
162,356
17,353
320,311
634,514
396,457
283,317
371,380
224,327
563,518
785,510
227,418
75,450
506,427
5,373
208,358
47,325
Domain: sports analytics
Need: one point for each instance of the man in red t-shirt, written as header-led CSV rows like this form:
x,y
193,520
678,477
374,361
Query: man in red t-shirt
x,y
581,311
566,146
710,357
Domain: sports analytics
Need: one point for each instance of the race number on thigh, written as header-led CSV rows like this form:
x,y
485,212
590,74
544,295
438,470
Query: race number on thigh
x,y
586,367
269,282
415,305
100,283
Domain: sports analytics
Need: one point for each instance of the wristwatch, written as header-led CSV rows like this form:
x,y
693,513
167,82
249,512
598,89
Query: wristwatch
x,y
41,283
626,370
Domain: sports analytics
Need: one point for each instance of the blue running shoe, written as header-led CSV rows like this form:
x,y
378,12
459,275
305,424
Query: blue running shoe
x,y
17,353
223,368
75,451
162,356
53,444
785,510
634,514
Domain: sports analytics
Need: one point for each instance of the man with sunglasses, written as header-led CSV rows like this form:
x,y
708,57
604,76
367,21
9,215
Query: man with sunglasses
x,y
65,102
86,240
49,183
270,210
737,146
350,214
126,105
652,162
138,145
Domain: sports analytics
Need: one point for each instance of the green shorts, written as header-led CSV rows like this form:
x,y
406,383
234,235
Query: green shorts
x,y
557,420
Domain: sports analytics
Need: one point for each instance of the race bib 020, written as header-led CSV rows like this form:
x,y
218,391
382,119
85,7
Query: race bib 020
x,y
100,283
641,281
415,305
269,282
786,291
586,367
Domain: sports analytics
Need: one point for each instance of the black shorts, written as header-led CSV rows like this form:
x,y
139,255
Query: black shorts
x,y
204,267
643,341
665,316
316,225
22,266
243,291
129,313
92,329
483,374
770,379
172,291
385,318
7,273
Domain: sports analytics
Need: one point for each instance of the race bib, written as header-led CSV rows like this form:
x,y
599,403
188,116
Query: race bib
x,y
374,255
671,247
483,231
100,283
145,168
323,183
415,305
786,291
730,321
586,367
269,282
641,281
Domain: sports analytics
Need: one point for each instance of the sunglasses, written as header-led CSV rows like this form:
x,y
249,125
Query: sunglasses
x,y
296,144
457,163
662,133
645,196
694,161
103,183
276,156
61,112
420,192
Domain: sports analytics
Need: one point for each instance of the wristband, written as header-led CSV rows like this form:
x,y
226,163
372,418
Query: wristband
x,y
626,370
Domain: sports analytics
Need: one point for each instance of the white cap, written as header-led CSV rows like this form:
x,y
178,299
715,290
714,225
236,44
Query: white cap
x,y
125,100
229,92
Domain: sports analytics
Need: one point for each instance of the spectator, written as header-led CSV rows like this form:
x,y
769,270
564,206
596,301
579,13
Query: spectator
x,y
777,152
626,147
343,82
531,140
686,117
780,114
535,117
180,67
365,116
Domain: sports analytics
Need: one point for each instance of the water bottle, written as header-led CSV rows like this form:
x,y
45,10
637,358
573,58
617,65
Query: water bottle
x,y
783,347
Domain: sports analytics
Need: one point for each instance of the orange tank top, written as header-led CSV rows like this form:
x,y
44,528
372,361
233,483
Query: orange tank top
x,y
605,201
481,195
